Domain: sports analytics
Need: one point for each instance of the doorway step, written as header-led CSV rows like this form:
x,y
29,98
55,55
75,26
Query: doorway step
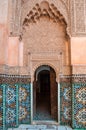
x,y
41,127
45,122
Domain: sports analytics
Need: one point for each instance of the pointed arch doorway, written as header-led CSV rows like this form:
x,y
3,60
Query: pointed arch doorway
x,y
45,94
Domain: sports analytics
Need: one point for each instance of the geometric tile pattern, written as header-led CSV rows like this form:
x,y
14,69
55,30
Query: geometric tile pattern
x,y
65,103
79,105
9,100
11,105
25,104
15,103
1,107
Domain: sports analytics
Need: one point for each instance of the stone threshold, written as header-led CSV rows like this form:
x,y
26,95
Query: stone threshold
x,y
41,127
38,122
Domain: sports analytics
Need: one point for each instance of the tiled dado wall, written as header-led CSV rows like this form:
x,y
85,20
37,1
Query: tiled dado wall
x,y
73,101
66,100
79,102
15,104
15,101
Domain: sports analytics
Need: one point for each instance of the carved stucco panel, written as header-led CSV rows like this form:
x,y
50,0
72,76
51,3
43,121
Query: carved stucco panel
x,y
48,42
66,2
60,5
14,17
18,10
74,12
78,20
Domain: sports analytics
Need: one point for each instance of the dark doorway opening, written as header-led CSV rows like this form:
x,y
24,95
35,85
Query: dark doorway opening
x,y
45,95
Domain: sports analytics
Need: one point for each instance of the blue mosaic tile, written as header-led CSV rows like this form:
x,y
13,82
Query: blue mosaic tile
x,y
1,107
65,103
11,106
79,106
24,103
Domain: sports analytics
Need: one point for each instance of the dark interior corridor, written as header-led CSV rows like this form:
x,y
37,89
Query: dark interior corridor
x,y
45,95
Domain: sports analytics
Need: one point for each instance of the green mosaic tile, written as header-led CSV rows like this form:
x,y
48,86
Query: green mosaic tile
x,y
11,105
1,107
79,106
25,103
65,103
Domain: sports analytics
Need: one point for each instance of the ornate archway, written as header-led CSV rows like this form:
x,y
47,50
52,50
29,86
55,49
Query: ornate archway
x,y
45,40
45,94
29,14
37,65
44,35
48,27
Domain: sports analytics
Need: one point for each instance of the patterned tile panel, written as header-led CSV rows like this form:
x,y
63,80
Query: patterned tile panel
x,y
65,103
79,105
24,104
10,100
1,107
11,107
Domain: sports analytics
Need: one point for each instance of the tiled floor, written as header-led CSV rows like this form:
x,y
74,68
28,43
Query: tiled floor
x,y
43,108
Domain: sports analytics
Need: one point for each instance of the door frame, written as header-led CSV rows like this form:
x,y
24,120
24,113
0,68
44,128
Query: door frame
x,y
32,103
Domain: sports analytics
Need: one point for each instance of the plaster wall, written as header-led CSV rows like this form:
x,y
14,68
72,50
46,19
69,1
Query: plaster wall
x,y
13,51
78,50
21,53
3,30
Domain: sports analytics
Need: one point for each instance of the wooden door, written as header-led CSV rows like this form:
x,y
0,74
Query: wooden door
x,y
53,94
